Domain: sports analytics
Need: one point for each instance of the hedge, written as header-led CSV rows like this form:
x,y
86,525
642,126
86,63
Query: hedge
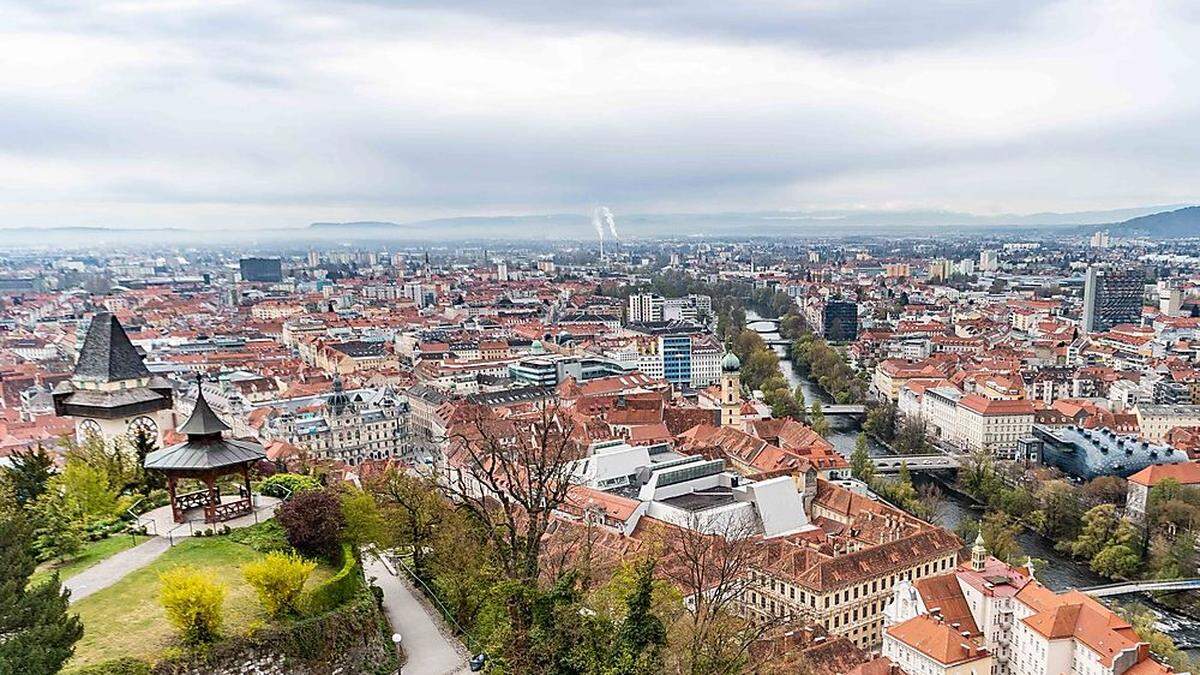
x,y
339,589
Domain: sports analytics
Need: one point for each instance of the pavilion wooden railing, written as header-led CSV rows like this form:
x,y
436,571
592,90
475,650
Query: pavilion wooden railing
x,y
191,500
218,513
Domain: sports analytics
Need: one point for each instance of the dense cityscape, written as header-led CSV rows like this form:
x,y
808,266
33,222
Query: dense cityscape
x,y
869,455
652,337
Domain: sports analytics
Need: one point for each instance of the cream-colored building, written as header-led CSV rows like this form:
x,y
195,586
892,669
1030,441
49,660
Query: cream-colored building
x,y
928,645
991,425
846,593
1156,421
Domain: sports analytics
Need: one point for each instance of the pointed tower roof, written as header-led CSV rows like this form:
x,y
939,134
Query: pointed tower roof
x,y
203,421
107,355
206,448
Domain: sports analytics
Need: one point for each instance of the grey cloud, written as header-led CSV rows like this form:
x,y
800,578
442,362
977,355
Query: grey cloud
x,y
240,111
869,25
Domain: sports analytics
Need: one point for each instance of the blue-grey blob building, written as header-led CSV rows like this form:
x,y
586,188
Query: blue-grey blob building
x,y
1088,453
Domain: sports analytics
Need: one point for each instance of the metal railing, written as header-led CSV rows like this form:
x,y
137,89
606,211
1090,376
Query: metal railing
x,y
388,560
137,517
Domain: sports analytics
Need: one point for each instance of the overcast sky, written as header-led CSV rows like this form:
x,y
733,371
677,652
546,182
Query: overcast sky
x,y
264,113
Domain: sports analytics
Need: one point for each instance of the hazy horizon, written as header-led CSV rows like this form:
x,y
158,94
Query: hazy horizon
x,y
239,115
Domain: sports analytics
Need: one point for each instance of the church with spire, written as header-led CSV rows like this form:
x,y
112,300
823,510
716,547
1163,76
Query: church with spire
x,y
111,393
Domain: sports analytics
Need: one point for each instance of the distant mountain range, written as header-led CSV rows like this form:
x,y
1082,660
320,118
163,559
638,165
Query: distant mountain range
x,y
766,223
1183,222
1152,221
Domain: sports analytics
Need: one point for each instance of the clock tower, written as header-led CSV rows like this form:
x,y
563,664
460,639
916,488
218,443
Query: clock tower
x,y
111,393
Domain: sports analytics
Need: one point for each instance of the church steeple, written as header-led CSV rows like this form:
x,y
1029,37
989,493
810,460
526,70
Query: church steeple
x,y
979,554
731,390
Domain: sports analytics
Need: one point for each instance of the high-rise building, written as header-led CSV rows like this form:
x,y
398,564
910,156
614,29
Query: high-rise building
x,y
645,308
501,271
677,358
267,270
940,269
1111,297
839,321
1170,298
989,261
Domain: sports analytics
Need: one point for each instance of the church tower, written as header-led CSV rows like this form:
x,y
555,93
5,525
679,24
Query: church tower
x,y
111,394
979,554
731,390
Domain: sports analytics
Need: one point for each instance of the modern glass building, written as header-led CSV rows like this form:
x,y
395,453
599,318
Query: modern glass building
x,y
677,358
1111,297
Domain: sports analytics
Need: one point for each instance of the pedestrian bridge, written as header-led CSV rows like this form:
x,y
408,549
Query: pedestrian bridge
x,y
763,325
836,409
1126,587
892,464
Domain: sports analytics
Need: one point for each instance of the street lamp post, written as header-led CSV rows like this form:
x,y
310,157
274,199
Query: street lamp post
x,y
396,646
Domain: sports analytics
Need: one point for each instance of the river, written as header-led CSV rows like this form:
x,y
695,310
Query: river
x,y
1059,573
844,429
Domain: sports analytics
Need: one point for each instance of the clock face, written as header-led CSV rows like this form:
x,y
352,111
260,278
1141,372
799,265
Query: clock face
x,y
89,428
145,424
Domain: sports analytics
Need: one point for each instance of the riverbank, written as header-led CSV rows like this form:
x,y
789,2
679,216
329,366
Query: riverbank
x,y
1060,572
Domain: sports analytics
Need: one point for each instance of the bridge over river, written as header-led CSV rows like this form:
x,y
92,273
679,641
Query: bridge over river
x,y
1127,587
892,463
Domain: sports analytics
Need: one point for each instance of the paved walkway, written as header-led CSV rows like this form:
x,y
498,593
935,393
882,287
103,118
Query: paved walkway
x,y
161,521
430,650
112,569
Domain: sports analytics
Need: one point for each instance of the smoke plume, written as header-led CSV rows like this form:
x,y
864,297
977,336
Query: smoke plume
x,y
598,222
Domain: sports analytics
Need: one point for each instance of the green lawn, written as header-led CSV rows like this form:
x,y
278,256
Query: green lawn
x,y
125,619
91,553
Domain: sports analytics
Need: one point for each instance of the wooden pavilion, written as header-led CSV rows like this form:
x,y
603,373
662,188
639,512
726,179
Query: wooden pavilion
x,y
206,455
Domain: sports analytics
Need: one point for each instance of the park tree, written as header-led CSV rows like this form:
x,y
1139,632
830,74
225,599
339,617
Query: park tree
x,y
364,520
313,521
1000,536
27,474
1105,490
37,631
912,437
90,488
816,420
1117,561
115,461
1173,556
414,508
861,466
58,528
143,443
714,559
881,421
1061,509
1103,529
642,634
512,474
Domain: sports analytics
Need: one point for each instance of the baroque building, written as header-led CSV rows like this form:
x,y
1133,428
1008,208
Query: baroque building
x,y
351,427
